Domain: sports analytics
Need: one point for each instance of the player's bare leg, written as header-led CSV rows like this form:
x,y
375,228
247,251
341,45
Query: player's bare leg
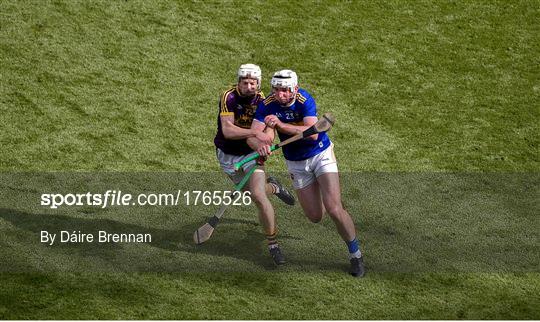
x,y
311,202
314,205
331,196
257,184
267,217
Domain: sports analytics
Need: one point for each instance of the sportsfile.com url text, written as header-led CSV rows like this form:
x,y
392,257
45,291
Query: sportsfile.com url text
x,y
113,198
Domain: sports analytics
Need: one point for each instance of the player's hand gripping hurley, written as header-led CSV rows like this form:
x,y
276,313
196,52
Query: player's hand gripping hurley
x,y
322,125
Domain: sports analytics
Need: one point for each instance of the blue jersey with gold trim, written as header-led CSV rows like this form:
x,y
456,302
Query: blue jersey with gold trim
x,y
303,106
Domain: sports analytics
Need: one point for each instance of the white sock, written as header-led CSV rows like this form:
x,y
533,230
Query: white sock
x,y
356,254
276,188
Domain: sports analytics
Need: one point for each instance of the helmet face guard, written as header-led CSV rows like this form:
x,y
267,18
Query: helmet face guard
x,y
285,79
250,71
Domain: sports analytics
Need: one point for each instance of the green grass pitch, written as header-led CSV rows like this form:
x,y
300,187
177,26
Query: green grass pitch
x,y
437,138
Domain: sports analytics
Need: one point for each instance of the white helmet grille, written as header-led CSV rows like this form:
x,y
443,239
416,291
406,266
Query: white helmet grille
x,y
285,79
250,71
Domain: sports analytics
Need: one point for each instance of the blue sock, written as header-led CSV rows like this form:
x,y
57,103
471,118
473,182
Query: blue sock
x,y
354,249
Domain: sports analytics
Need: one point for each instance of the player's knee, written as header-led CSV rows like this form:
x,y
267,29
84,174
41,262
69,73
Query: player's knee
x,y
334,211
315,217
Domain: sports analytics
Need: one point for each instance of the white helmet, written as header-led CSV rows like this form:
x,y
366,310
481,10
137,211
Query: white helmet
x,y
285,79
250,71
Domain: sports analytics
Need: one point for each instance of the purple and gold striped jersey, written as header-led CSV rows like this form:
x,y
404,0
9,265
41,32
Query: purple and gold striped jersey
x,y
243,109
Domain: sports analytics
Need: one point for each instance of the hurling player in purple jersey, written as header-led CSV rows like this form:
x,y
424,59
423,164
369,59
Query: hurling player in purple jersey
x,y
311,162
237,107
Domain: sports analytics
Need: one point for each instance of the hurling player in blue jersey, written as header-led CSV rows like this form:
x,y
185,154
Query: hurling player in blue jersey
x,y
237,106
311,162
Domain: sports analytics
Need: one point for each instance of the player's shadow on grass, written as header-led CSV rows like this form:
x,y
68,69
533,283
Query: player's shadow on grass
x,y
179,252
242,239
234,235
237,245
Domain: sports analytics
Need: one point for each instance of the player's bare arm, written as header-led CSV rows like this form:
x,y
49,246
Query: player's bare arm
x,y
273,121
261,129
233,132
262,147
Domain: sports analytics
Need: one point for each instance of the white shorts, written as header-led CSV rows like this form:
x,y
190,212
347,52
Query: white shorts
x,y
227,161
305,172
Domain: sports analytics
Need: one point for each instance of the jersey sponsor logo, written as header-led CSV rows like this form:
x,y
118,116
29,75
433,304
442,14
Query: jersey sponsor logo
x,y
244,121
245,118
